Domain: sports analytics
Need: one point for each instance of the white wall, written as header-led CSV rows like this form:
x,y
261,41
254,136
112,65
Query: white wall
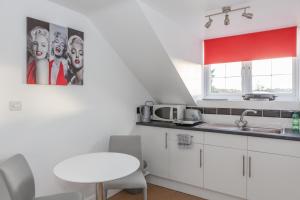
x,y
174,28
268,14
183,48
127,29
59,122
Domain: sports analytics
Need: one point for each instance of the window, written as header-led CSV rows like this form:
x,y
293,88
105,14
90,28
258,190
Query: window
x,y
226,78
231,80
273,75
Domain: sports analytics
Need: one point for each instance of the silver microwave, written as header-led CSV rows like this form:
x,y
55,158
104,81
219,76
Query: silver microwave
x,y
168,113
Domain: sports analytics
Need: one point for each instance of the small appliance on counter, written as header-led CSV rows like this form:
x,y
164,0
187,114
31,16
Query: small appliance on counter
x,y
192,117
168,113
259,97
145,111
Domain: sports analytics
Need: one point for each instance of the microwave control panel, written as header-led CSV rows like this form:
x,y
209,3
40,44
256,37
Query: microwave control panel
x,y
174,113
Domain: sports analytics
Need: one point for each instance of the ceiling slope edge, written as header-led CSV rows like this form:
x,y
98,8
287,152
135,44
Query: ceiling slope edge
x,y
129,32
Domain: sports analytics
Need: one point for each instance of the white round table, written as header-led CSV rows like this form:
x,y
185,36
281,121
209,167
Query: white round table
x,y
96,168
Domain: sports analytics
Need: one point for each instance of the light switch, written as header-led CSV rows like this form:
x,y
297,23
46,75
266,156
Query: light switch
x,y
15,105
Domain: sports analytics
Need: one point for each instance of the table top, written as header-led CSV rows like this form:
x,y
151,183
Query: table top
x,y
96,167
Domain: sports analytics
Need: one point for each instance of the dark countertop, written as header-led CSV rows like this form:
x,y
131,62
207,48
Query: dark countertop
x,y
288,134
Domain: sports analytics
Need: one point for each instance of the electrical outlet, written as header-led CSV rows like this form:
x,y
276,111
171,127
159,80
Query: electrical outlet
x,y
15,105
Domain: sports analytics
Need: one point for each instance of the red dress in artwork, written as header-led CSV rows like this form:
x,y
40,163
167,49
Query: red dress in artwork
x,y
31,73
60,80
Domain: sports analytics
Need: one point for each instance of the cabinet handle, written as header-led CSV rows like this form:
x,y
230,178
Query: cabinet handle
x,y
250,173
243,165
166,140
200,158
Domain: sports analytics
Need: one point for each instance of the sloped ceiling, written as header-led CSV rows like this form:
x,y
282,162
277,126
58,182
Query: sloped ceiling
x,y
151,36
125,26
189,14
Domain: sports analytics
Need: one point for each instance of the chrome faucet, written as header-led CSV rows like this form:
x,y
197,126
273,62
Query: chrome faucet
x,y
242,123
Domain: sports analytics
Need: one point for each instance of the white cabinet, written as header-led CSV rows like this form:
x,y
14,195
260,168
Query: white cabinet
x,y
168,160
225,170
246,167
155,151
273,177
186,163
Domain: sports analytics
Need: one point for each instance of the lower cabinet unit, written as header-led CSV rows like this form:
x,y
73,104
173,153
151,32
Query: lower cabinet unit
x,y
273,177
225,170
249,168
186,163
155,150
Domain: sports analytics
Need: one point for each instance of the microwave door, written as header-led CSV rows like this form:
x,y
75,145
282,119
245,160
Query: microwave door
x,y
163,113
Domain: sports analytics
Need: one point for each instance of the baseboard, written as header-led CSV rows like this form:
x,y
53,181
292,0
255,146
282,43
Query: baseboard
x,y
109,194
188,189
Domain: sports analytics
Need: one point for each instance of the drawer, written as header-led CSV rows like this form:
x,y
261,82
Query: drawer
x,y
225,140
198,136
274,146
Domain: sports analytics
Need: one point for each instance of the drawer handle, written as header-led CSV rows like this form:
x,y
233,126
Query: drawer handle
x,y
200,158
166,140
250,170
243,165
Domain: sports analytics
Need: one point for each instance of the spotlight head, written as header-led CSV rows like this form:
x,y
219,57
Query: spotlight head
x,y
226,9
208,24
227,20
247,15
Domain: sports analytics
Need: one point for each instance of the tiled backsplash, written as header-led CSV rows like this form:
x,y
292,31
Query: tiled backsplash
x,y
238,111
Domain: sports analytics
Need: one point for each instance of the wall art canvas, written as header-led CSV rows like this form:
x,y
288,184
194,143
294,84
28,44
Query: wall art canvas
x,y
55,54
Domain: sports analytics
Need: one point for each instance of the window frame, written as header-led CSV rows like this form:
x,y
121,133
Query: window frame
x,y
246,84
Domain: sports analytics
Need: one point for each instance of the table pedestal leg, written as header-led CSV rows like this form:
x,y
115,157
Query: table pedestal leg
x,y
99,191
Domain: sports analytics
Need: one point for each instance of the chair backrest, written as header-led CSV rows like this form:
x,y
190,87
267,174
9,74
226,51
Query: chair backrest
x,y
4,194
128,144
18,178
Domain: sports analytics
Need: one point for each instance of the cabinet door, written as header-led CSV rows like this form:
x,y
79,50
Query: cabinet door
x,y
155,152
273,177
225,170
186,163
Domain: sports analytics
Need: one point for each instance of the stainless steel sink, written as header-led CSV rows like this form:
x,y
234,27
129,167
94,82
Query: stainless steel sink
x,y
263,130
246,129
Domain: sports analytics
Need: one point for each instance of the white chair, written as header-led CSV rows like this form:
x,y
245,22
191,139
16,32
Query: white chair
x,y
17,182
130,145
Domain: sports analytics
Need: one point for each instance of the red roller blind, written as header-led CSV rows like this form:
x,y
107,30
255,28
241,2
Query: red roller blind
x,y
253,46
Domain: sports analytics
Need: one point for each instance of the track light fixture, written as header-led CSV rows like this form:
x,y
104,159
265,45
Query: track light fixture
x,y
225,11
247,15
208,24
227,20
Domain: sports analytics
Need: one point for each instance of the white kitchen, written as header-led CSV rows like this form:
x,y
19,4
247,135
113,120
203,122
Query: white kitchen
x,y
150,99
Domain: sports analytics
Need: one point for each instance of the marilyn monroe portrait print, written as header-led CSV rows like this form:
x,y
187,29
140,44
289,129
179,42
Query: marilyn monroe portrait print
x,y
55,54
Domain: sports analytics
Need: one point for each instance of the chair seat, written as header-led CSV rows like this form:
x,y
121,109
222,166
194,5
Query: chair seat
x,y
135,180
64,196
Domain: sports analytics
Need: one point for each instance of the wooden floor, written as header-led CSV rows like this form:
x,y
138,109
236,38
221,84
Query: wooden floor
x,y
156,193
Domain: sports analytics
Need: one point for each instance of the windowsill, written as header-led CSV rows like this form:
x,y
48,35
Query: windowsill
x,y
241,100
238,98
280,104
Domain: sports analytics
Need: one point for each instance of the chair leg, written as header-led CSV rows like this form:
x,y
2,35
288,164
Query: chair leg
x,y
105,194
145,193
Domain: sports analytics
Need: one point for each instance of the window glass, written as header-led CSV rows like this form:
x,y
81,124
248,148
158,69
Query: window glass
x,y
273,75
261,83
233,69
270,75
282,66
218,70
226,78
261,67
218,85
282,84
